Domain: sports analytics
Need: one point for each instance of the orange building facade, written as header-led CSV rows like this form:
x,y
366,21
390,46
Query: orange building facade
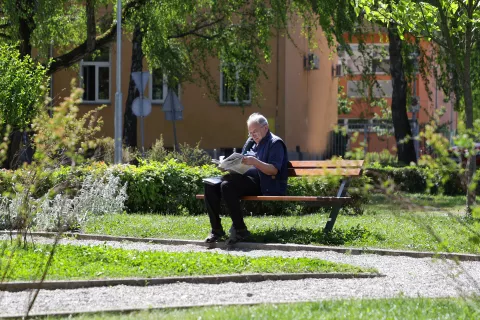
x,y
300,102
378,135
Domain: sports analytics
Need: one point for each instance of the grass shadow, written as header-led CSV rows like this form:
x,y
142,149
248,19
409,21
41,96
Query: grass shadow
x,y
311,236
438,201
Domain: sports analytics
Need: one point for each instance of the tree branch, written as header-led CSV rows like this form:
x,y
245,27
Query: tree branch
x,y
462,4
450,44
430,34
78,53
475,5
195,30
4,36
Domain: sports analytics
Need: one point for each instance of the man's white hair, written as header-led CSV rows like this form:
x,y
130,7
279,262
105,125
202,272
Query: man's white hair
x,y
257,118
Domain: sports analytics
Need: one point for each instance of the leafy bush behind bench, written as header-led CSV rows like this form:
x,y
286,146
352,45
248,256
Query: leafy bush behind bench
x,y
413,179
170,187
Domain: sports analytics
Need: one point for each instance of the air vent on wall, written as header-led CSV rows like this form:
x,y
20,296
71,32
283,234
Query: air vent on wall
x,y
311,62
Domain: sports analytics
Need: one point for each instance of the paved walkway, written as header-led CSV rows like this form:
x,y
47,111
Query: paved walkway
x,y
405,276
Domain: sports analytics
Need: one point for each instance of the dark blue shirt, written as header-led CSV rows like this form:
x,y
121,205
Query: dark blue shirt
x,y
271,150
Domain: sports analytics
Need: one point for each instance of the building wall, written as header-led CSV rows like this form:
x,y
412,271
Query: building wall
x,y
429,104
313,93
310,96
216,125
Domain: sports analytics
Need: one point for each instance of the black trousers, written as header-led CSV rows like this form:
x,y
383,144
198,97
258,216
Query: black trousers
x,y
231,189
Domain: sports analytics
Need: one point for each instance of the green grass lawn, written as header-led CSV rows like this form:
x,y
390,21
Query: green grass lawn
x,y
101,262
399,308
385,224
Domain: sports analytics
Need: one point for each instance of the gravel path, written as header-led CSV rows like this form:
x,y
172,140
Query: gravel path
x,y
404,276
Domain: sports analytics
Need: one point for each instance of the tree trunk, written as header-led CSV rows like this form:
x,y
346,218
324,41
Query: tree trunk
x,y
19,149
130,120
25,29
401,125
91,25
468,99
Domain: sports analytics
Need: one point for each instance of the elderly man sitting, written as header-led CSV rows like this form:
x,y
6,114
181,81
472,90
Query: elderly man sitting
x,y
267,154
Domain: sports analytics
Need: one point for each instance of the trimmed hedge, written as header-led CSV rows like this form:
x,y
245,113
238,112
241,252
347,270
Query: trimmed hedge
x,y
170,187
164,187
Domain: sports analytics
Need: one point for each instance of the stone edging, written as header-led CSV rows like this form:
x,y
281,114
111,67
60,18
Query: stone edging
x,y
217,279
267,246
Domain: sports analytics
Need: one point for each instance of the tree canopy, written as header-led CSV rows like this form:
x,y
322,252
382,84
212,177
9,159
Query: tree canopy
x,y
454,28
19,93
177,34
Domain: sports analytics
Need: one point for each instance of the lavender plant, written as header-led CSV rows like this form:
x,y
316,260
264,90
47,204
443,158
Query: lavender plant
x,y
60,140
97,196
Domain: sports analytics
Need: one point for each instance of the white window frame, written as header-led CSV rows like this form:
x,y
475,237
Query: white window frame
x,y
360,60
236,102
385,90
97,65
164,91
379,53
358,94
378,126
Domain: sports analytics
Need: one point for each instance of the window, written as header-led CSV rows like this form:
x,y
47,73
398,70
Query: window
x,y
158,87
381,65
376,59
383,89
95,77
236,90
380,59
379,126
356,89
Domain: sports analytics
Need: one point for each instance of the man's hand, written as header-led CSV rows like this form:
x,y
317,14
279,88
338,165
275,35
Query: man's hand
x,y
266,168
251,161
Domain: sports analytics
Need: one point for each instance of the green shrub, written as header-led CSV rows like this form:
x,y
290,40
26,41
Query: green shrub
x,y
157,152
192,156
413,179
105,151
170,187
384,158
166,187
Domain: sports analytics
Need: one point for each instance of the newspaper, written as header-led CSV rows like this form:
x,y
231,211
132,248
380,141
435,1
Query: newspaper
x,y
233,164
213,180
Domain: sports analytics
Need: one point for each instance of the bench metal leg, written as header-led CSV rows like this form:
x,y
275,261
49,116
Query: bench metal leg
x,y
331,219
334,213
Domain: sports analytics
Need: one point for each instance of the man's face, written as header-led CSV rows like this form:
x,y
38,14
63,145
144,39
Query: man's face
x,y
257,131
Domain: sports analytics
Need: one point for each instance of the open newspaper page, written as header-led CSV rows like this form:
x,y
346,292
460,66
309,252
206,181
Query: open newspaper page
x,y
234,164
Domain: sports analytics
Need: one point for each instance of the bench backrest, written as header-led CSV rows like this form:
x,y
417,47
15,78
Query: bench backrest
x,y
350,168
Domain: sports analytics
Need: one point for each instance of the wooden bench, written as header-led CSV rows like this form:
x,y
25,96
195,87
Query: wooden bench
x,y
346,168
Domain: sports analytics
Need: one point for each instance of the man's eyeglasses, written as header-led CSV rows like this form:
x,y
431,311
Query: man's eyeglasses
x,y
255,132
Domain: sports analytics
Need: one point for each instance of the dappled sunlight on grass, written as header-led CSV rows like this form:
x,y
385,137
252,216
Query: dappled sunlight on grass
x,y
105,262
396,308
384,224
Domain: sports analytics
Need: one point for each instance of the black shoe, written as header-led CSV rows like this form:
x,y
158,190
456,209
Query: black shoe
x,y
215,236
237,236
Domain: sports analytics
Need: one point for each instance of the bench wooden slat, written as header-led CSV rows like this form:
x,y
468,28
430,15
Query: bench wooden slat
x,y
332,200
293,172
344,168
327,164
